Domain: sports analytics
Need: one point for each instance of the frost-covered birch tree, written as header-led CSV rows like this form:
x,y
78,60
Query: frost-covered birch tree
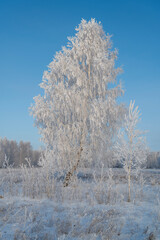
x,y
131,149
78,115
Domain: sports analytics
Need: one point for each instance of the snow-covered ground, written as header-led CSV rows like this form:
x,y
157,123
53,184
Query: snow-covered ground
x,y
85,210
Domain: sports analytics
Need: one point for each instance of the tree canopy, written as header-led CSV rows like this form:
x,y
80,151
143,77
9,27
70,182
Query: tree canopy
x,y
78,114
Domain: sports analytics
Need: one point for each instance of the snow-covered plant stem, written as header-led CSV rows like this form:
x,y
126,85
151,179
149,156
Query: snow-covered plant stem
x,y
110,183
129,170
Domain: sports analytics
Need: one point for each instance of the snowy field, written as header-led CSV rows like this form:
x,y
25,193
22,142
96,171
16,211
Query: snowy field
x,y
94,206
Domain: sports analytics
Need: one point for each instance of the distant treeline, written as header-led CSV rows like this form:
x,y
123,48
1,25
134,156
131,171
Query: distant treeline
x,y
16,153
153,160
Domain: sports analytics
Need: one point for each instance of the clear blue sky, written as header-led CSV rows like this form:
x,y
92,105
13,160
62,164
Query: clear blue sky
x,y
32,31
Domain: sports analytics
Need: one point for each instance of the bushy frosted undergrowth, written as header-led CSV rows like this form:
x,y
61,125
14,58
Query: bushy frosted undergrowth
x,y
35,205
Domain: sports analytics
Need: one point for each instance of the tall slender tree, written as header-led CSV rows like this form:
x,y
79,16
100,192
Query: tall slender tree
x,y
78,115
130,148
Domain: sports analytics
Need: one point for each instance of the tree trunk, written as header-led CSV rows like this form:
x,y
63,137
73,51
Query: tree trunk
x,y
70,173
129,170
129,185
74,168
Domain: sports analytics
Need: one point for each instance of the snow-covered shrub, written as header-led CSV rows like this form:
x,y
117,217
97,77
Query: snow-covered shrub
x,y
38,182
10,175
100,187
